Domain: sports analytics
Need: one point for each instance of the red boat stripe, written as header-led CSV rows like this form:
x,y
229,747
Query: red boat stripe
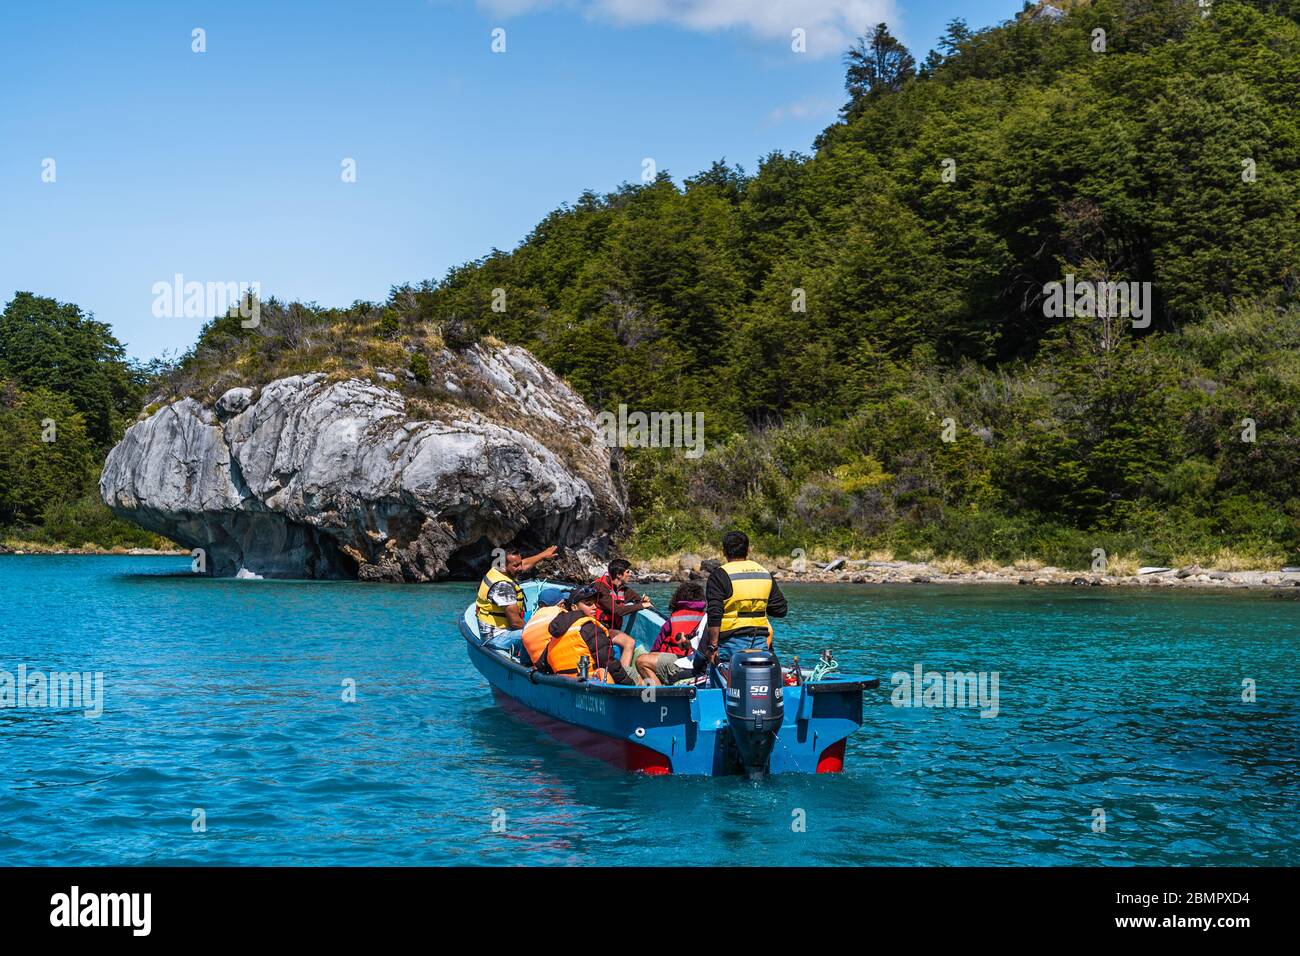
x,y
623,754
832,758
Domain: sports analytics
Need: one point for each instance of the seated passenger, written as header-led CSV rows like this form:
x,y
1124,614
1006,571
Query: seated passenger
x,y
500,600
575,634
616,599
670,660
536,636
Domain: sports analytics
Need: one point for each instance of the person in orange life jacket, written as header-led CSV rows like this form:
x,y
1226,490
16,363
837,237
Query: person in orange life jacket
x,y
670,660
739,597
580,616
500,601
550,603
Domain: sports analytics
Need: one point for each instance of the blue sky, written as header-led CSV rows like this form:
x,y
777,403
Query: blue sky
x,y
225,166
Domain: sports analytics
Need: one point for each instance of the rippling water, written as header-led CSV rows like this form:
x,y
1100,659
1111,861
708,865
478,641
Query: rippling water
x,y
226,696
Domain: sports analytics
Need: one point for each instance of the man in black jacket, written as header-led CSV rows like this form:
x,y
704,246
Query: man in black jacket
x,y
739,598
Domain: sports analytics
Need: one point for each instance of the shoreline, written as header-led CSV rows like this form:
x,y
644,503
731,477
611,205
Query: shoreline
x,y
916,572
876,572
30,550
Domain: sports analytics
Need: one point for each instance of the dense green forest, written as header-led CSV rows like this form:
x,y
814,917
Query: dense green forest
x,y
868,330
66,393
924,301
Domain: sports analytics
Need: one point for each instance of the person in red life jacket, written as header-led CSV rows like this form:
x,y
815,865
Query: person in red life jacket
x,y
670,659
578,620
617,600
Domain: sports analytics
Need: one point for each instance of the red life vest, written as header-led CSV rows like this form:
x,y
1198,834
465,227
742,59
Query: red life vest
x,y
682,624
616,598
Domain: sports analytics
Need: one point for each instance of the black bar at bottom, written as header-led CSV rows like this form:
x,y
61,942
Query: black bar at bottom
x,y
334,905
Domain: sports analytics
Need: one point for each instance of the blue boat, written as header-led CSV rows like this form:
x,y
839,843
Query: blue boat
x,y
680,729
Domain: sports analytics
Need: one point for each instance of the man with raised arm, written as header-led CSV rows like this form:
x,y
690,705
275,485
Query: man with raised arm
x,y
500,601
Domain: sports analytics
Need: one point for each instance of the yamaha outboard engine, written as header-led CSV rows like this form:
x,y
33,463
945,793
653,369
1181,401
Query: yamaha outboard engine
x,y
755,708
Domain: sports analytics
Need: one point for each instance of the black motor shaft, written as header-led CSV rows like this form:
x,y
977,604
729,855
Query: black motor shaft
x,y
755,708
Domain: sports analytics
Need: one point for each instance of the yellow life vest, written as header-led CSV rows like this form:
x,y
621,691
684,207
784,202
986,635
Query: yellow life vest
x,y
751,586
489,613
563,652
536,636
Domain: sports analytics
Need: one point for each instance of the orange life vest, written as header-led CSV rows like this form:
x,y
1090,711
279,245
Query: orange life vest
x,y
535,635
563,652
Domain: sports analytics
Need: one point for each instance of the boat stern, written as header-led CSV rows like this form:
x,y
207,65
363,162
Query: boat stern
x,y
819,718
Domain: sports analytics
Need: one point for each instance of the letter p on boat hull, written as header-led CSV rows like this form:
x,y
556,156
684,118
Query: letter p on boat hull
x,y
680,729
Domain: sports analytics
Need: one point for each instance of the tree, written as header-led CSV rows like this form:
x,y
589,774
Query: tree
x,y
45,455
728,180
956,34
880,64
52,345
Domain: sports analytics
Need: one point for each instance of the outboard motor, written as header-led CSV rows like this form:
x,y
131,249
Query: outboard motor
x,y
755,708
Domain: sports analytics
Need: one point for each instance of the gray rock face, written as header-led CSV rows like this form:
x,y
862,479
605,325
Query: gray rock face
x,y
233,402
315,478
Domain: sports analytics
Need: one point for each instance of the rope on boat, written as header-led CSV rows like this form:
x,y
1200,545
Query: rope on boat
x,y
826,665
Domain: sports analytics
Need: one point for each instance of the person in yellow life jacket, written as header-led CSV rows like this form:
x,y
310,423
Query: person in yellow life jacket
x,y
536,636
500,601
575,633
739,597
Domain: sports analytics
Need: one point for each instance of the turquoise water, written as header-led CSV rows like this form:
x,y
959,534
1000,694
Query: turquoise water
x,y
226,696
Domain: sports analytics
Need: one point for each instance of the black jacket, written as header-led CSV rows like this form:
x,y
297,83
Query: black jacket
x,y
603,652
718,589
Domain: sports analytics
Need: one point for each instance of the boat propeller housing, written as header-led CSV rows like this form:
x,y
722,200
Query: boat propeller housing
x,y
755,708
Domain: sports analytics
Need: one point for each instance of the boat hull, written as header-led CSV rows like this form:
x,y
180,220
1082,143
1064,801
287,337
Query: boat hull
x,y
623,754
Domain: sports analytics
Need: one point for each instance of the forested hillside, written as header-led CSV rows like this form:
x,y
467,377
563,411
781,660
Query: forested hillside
x,y
1173,157
866,327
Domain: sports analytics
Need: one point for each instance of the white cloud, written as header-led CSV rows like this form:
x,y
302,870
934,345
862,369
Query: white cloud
x,y
809,107
830,24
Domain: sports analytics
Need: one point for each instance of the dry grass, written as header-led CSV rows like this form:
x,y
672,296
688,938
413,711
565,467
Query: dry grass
x,y
1117,565
662,563
45,547
1231,559
1122,565
31,547
951,565
668,562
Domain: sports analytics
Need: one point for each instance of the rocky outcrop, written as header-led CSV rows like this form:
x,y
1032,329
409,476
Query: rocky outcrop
x,y
312,477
